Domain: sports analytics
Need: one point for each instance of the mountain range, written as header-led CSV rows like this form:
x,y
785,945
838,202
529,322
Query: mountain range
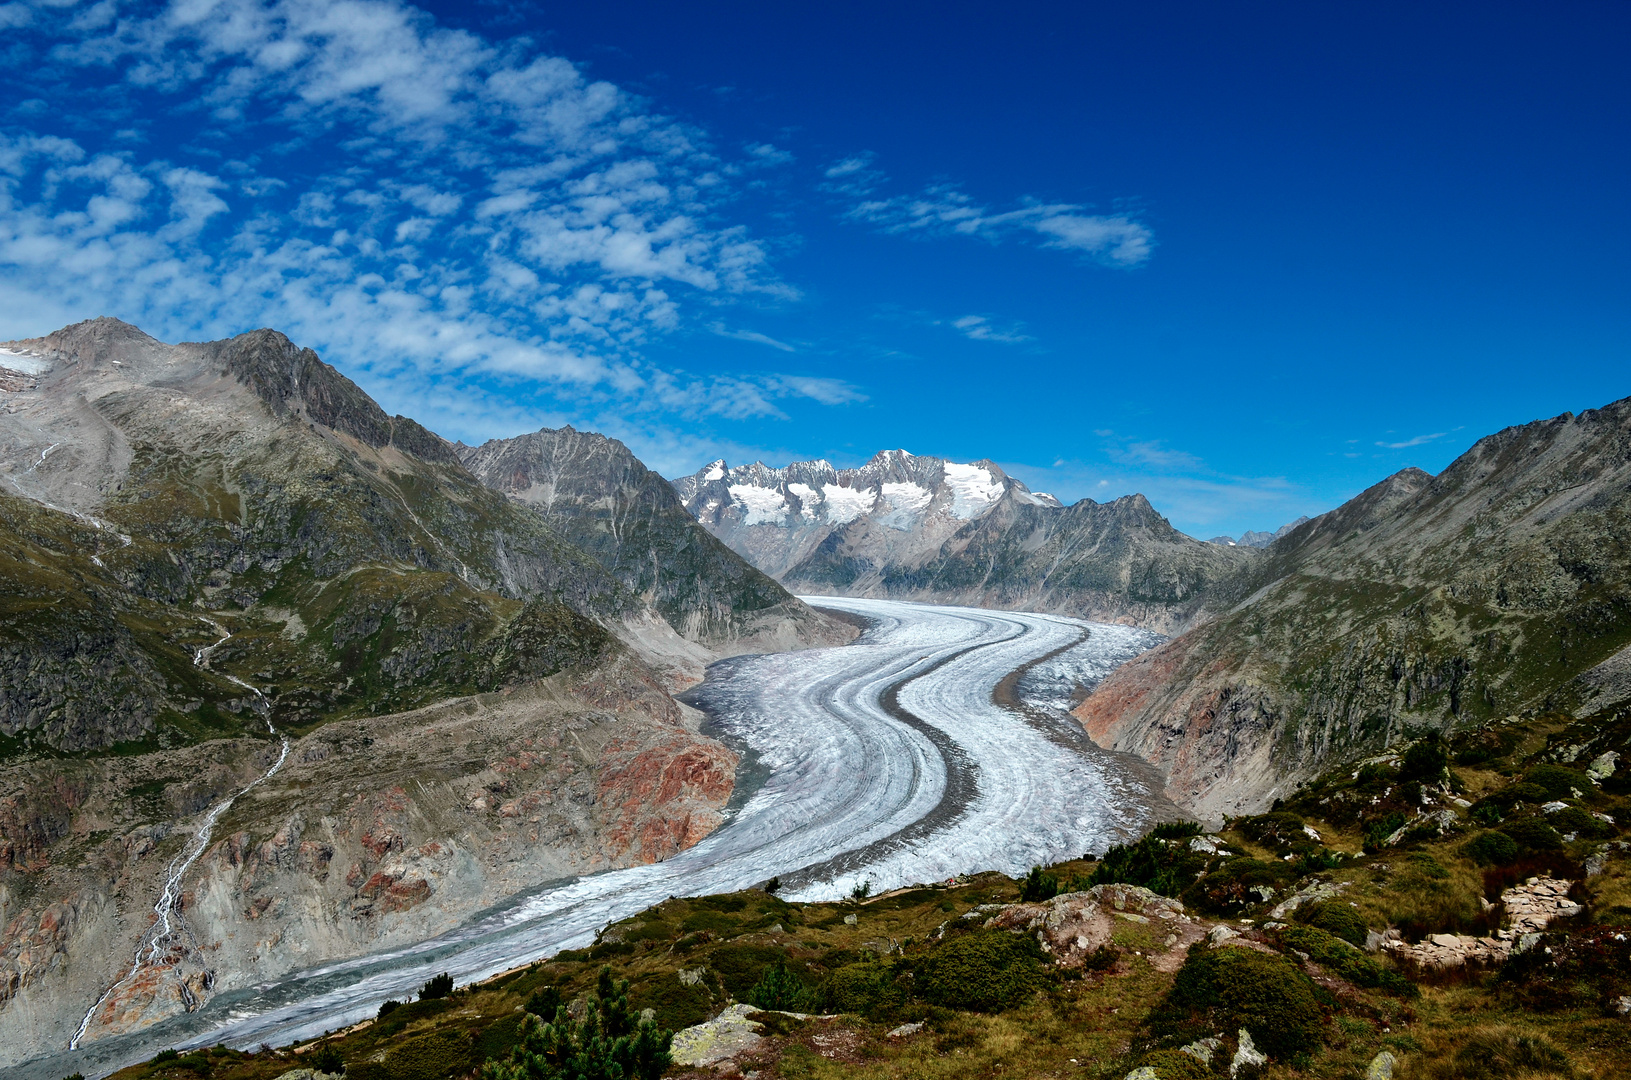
x,y
434,675
1500,587
913,527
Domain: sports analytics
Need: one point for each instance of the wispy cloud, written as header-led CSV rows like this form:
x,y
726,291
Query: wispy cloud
x,y
1418,440
946,210
750,335
419,203
981,328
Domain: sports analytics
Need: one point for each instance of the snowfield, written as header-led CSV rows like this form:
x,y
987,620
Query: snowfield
x,y
885,761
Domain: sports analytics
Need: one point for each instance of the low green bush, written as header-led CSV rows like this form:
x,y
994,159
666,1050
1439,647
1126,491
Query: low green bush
x,y
1559,781
866,988
1336,918
1491,849
1038,885
740,967
713,922
1160,864
1533,833
1276,830
1176,830
983,971
328,1059
1343,958
1231,988
1238,884
1427,760
674,1004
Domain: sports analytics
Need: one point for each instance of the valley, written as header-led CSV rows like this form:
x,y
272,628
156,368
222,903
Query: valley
x,y
884,762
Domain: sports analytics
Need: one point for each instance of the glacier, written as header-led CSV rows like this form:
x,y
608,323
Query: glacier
x,y
888,761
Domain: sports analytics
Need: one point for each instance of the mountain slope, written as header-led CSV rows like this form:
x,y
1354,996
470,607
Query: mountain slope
x,y
200,542
248,475
597,494
923,528
1500,586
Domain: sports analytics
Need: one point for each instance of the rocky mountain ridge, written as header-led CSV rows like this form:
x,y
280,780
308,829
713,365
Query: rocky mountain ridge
x,y
923,528
1500,587
596,493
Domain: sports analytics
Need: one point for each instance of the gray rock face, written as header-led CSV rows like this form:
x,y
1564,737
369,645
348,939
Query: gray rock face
x,y
923,528
1500,586
597,494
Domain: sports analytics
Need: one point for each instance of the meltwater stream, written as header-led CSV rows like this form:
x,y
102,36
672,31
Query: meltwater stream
x,y
886,760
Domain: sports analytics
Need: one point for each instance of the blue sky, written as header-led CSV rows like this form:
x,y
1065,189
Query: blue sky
x,y
1247,259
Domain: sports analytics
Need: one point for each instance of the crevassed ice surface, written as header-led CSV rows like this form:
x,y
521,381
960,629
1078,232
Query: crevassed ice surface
x,y
855,788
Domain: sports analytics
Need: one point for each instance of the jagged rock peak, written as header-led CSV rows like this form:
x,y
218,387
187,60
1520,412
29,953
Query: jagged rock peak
x,y
292,380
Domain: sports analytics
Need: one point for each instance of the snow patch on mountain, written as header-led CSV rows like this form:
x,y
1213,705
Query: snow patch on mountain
x,y
760,506
973,489
844,504
907,502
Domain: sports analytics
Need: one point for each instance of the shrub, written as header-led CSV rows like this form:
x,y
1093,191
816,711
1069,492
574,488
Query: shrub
x,y
387,1007
713,922
1276,830
674,1004
1153,862
1567,971
1176,830
1227,989
1379,829
1491,849
773,885
740,967
543,1002
1336,918
609,1043
1339,956
1236,884
1575,820
865,989
720,903
781,988
328,1059
1557,781
1427,760
439,987
1039,885
1533,833
862,890
984,971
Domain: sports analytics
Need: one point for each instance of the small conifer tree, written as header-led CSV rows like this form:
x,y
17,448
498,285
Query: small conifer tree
x,y
610,1042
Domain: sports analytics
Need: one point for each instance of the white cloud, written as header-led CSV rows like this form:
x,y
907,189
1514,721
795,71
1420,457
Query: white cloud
x,y
945,210
751,335
1417,440
980,328
427,208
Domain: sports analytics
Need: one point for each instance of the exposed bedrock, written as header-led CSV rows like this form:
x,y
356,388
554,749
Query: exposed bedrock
x,y
378,832
1500,587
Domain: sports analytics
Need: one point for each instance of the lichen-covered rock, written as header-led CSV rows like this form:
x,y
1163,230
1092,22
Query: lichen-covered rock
x,y
723,1037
